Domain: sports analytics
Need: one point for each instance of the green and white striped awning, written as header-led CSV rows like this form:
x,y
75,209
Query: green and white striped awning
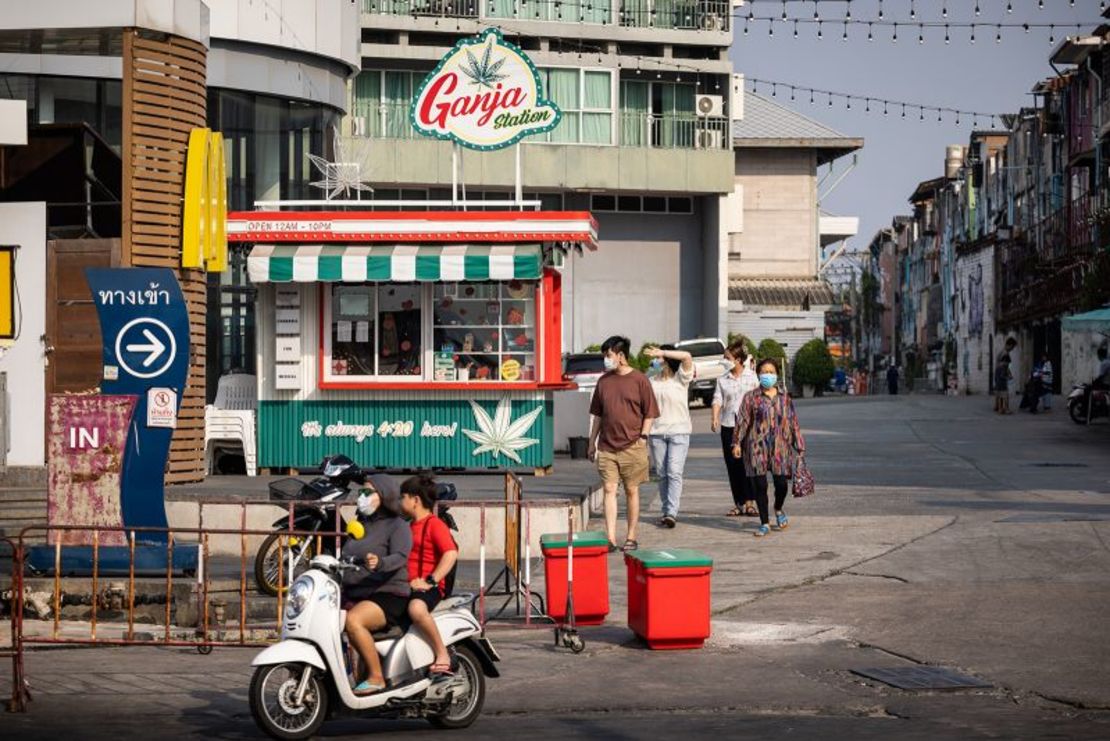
x,y
309,263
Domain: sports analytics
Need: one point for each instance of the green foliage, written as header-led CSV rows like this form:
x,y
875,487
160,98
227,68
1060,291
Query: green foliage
x,y
770,348
813,365
640,361
593,348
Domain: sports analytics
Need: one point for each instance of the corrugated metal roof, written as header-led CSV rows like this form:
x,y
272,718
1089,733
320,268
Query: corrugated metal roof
x,y
765,119
781,293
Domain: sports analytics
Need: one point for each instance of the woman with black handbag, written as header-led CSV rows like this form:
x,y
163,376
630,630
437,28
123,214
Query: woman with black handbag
x,y
769,440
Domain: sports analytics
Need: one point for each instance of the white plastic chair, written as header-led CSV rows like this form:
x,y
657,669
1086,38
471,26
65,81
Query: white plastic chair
x,y
231,419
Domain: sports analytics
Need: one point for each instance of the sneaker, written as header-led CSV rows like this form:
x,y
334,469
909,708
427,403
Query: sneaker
x,y
761,531
781,520
669,522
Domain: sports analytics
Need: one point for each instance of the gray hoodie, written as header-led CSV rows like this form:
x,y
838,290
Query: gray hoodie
x,y
389,537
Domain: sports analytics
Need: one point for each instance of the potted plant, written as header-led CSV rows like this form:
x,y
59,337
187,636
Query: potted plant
x,y
813,367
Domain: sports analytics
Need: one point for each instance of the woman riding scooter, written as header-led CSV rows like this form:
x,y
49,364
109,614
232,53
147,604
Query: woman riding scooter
x,y
382,590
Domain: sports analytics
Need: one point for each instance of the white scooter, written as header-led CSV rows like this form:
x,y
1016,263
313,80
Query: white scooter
x,y
297,682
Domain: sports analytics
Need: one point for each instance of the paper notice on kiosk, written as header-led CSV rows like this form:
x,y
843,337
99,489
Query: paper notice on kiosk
x,y
362,331
343,331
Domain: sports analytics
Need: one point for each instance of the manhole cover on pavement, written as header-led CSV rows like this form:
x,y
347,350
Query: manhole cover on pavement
x,y
922,678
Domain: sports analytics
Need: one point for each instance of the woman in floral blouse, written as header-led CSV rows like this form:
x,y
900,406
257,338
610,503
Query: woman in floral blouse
x,y
768,438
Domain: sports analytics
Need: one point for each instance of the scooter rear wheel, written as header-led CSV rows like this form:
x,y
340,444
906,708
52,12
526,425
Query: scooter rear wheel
x,y
273,702
469,675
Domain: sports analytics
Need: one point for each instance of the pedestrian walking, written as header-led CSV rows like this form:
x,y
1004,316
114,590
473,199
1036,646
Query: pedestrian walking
x,y
669,441
769,440
732,386
1002,376
623,409
1048,378
892,379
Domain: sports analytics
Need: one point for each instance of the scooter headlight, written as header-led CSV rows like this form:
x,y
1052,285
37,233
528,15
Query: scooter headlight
x,y
299,595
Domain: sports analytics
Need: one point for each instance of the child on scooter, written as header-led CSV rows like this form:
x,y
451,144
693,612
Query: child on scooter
x,y
433,555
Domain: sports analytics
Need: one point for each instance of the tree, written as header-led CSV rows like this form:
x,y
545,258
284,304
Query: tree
x,y
770,348
813,365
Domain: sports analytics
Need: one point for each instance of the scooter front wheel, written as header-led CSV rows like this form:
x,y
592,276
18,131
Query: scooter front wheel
x,y
274,705
468,688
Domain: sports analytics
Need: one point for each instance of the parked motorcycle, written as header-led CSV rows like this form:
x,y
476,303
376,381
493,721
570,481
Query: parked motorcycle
x,y
1082,395
329,491
308,676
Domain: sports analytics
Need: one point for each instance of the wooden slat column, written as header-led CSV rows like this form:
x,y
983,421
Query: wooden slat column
x,y
164,98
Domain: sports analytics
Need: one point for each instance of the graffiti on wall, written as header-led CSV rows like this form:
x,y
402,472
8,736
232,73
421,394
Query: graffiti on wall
x,y
975,300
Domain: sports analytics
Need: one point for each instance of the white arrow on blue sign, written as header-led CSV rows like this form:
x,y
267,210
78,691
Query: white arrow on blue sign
x,y
148,340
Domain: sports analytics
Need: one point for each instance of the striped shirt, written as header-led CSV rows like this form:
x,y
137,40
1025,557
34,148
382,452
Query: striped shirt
x,y
730,390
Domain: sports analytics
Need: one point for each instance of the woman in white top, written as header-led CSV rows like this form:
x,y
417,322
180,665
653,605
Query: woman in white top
x,y
738,380
671,373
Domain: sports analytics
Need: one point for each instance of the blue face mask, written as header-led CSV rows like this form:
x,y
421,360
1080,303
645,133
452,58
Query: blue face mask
x,y
768,380
656,364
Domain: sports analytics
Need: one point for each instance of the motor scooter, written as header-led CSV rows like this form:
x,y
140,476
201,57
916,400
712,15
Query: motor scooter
x,y
308,676
1083,395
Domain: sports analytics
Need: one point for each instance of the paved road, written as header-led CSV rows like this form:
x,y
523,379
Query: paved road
x,y
940,536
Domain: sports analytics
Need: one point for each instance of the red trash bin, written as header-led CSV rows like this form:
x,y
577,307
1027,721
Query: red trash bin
x,y
591,576
668,597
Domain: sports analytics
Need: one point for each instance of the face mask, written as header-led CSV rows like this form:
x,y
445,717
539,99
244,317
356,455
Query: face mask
x,y
768,380
367,504
727,364
610,364
656,364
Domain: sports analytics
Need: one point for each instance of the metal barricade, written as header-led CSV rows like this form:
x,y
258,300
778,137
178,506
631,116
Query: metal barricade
x,y
205,635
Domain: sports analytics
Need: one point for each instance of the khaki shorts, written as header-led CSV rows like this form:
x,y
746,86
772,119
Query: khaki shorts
x,y
629,466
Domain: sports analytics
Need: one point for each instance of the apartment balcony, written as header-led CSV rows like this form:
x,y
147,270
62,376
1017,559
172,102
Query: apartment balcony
x,y
634,129
701,22
690,15
644,154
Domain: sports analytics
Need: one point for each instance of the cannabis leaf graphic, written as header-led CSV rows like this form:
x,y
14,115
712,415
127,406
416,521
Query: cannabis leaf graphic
x,y
485,72
500,435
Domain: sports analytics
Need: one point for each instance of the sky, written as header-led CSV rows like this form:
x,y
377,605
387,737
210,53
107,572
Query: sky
x,y
897,153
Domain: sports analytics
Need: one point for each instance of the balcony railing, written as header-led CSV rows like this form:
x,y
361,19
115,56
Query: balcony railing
x,y
583,11
685,15
694,15
428,8
679,131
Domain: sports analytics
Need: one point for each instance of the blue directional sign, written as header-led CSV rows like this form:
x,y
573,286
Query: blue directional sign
x,y
144,325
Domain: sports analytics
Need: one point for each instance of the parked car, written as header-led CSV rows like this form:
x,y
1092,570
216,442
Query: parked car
x,y
708,353
583,369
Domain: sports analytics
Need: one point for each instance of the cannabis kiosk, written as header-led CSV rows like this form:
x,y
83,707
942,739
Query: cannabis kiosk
x,y
415,339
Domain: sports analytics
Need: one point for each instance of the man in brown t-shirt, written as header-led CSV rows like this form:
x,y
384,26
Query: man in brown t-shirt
x,y
623,407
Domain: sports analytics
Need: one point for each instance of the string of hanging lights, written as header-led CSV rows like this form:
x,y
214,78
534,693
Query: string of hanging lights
x,y
903,109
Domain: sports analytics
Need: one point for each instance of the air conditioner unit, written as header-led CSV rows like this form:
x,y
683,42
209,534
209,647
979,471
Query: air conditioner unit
x,y
709,105
736,98
710,139
712,22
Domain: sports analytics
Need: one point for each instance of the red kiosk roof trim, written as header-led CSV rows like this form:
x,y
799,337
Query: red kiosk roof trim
x,y
420,226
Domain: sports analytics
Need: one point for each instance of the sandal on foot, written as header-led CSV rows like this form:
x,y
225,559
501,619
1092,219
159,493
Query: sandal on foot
x,y
734,512
761,531
613,547
781,520
750,510
368,688
630,545
441,670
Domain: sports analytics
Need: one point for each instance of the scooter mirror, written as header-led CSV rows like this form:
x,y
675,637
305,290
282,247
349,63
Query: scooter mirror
x,y
355,529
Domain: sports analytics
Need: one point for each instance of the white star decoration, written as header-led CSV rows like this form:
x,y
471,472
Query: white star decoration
x,y
500,435
345,174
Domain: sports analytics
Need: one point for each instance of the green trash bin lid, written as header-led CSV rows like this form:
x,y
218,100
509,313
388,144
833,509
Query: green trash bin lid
x,y
672,558
584,539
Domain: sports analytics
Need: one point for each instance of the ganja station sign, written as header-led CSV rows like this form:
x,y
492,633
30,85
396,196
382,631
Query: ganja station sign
x,y
484,94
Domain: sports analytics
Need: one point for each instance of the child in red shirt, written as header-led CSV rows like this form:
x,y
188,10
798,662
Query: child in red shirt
x,y
431,559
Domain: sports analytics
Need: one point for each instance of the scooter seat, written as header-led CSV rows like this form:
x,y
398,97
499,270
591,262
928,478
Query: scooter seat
x,y
388,634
